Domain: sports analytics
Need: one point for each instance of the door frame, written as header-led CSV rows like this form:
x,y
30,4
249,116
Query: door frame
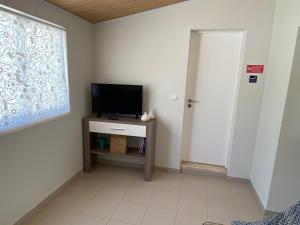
x,y
238,76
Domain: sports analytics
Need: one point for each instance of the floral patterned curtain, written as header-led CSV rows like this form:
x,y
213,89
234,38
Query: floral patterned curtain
x,y
33,71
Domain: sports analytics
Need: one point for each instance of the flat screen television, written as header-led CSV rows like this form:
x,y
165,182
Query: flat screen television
x,y
117,99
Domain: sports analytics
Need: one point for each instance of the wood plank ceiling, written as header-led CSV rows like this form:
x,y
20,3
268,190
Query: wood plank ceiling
x,y
101,10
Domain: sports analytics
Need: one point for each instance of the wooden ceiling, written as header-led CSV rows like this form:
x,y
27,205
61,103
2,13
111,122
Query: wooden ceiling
x,y
101,10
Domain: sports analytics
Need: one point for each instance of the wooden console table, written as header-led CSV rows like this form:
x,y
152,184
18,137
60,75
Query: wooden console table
x,y
123,126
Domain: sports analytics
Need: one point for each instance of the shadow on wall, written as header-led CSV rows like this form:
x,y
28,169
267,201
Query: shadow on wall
x,y
163,135
162,131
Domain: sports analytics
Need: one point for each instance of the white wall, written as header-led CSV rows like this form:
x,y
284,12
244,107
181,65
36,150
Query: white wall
x,y
285,186
151,48
36,161
287,20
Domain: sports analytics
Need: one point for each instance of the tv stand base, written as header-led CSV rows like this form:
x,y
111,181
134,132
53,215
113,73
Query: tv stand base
x,y
126,126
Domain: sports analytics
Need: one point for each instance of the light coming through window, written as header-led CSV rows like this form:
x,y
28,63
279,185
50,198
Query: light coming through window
x,y
33,70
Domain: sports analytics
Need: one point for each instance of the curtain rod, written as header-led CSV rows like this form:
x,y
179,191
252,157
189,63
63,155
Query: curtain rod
x,y
9,9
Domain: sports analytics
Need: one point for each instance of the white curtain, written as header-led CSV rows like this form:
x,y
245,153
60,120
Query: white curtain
x,y
33,71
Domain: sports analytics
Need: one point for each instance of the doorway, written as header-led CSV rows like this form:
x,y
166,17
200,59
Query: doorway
x,y
212,81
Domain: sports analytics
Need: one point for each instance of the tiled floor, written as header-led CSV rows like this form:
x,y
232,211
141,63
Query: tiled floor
x,y
113,195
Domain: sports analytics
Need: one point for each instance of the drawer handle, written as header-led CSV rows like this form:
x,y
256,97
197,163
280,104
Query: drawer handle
x,y
117,128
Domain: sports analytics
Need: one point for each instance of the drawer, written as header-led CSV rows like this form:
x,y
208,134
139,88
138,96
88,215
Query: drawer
x,y
117,128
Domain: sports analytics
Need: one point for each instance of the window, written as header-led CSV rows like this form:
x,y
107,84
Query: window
x,y
33,70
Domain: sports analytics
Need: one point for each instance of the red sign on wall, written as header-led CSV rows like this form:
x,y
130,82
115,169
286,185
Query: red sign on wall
x,y
255,68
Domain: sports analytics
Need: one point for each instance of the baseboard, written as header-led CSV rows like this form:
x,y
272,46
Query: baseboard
x,y
202,169
166,169
237,179
33,211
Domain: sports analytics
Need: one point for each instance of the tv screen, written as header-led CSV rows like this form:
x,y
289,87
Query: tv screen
x,y
115,99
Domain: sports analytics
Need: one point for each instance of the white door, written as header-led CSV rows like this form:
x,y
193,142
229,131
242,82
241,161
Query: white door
x,y
212,77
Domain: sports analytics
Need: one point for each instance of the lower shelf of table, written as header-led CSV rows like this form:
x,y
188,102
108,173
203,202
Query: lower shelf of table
x,y
132,153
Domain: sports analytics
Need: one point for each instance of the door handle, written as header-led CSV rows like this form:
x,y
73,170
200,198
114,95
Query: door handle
x,y
191,101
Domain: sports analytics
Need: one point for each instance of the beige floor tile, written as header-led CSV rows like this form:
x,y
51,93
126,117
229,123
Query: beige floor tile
x,y
125,176
219,220
138,195
103,172
194,178
161,175
70,200
221,209
218,187
102,207
112,222
84,219
41,214
241,189
163,199
128,212
167,181
248,207
123,180
217,181
87,184
192,205
243,192
140,183
159,216
135,173
114,191
250,217
58,217
183,218
95,198
33,220
219,193
193,188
